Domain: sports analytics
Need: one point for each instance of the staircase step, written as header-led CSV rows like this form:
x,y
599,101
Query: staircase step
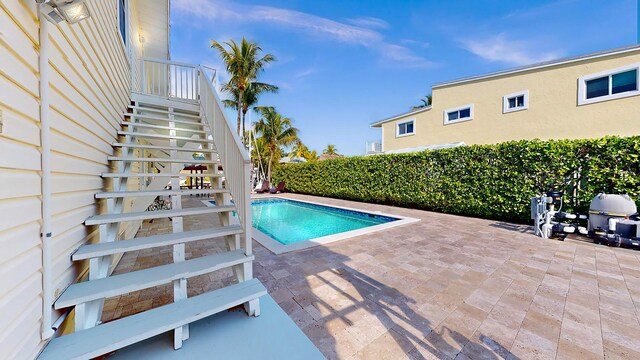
x,y
164,119
122,194
149,118
115,285
117,334
157,214
158,127
122,246
159,136
164,148
162,160
167,175
161,111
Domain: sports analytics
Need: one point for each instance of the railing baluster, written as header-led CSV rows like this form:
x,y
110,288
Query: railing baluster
x,y
155,79
165,82
190,71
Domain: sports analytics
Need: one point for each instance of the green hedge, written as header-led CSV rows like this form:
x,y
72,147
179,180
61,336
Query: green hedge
x,y
488,181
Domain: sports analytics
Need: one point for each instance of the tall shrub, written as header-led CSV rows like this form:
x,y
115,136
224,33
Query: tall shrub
x,y
488,181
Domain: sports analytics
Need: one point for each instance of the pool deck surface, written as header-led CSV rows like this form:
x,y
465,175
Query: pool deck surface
x,y
446,287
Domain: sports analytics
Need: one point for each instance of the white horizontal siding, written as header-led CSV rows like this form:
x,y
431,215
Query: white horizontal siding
x,y
89,90
21,258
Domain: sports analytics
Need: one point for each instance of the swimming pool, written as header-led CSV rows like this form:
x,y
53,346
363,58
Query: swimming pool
x,y
282,225
289,221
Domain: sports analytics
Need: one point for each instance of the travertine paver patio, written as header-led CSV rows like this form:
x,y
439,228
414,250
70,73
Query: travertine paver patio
x,y
446,287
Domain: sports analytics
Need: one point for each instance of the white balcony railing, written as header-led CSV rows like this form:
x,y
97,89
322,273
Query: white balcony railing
x,y
167,79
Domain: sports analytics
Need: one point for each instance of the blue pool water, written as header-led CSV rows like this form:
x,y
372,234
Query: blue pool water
x,y
289,221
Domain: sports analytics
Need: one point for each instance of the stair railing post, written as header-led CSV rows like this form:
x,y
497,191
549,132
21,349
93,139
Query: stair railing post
x,y
143,77
179,286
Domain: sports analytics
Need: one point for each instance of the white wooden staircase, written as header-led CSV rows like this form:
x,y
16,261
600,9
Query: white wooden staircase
x,y
164,130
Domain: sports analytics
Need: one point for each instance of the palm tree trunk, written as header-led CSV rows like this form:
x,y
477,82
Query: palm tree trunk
x,y
240,109
269,167
244,115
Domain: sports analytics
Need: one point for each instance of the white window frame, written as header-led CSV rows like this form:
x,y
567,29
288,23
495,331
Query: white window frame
x,y
447,111
126,24
412,120
582,85
506,98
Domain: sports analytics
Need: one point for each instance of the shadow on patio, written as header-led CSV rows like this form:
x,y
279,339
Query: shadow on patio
x,y
348,314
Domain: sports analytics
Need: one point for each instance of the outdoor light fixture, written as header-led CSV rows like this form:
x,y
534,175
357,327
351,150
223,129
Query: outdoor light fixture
x,y
72,11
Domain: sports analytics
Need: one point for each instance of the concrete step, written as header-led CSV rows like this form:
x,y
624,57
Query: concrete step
x,y
121,284
117,247
162,160
162,148
159,127
167,175
158,214
160,136
104,338
123,194
162,111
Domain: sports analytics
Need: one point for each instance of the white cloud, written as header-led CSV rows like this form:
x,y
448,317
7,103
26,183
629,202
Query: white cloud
x,y
312,24
499,48
539,10
306,72
411,42
404,55
369,22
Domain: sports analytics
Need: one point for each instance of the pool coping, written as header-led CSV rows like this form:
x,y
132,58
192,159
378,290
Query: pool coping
x,y
278,248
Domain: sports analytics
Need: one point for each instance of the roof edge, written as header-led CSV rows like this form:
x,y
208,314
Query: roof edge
x,y
540,65
395,117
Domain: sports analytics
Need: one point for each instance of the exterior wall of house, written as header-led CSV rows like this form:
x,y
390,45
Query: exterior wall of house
x,y
89,90
553,111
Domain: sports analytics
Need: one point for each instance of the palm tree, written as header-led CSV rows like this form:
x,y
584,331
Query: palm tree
x,y
260,153
299,150
276,131
426,101
330,150
311,156
243,63
250,99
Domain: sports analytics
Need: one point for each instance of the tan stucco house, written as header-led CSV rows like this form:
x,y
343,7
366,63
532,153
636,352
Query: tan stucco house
x,y
586,96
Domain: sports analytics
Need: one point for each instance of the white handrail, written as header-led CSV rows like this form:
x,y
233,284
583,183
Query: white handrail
x,y
235,160
165,61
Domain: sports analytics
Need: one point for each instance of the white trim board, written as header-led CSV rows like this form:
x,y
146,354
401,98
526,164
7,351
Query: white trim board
x,y
396,117
278,248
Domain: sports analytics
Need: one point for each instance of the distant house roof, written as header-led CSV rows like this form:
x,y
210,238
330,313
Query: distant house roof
x,y
291,160
413,111
328,157
540,65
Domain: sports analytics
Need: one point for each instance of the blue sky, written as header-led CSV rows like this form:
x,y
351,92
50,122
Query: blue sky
x,y
344,64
